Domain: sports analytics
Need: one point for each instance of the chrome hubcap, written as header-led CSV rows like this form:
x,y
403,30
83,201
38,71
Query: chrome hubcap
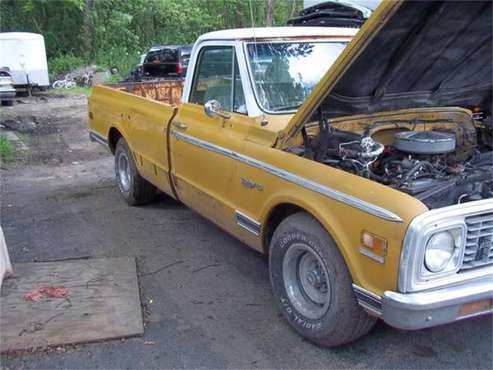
x,y
306,281
123,171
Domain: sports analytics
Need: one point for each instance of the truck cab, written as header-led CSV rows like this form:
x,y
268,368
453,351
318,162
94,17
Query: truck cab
x,y
262,71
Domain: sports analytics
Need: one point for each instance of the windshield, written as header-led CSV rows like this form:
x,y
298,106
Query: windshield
x,y
285,73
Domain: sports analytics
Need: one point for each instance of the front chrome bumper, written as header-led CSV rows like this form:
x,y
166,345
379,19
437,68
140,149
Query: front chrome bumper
x,y
411,311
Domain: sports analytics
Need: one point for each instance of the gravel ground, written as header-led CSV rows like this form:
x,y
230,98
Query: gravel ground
x,y
206,297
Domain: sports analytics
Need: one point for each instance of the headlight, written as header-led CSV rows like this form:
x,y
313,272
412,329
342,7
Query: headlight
x,y
429,257
443,252
439,251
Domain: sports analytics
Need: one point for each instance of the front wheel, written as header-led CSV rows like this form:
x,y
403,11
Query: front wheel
x,y
312,284
134,188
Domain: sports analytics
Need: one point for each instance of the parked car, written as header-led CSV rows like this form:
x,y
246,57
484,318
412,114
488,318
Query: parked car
x,y
359,170
7,90
167,61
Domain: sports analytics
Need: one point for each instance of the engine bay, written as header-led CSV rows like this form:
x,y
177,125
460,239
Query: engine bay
x,y
439,159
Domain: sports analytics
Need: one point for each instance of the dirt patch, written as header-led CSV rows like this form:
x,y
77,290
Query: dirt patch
x,y
53,127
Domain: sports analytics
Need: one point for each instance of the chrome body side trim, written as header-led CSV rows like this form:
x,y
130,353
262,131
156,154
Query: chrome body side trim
x,y
94,136
295,179
421,227
248,223
368,300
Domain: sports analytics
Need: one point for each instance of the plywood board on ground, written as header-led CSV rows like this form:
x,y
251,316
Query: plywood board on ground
x,y
102,303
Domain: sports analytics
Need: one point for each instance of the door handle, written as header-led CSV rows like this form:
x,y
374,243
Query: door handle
x,y
180,125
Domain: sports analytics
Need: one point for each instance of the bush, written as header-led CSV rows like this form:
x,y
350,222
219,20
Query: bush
x,y
6,150
62,64
115,78
119,58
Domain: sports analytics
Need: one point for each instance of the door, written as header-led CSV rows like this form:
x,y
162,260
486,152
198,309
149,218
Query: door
x,y
203,169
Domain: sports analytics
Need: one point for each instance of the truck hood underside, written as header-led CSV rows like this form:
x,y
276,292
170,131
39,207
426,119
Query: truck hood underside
x,y
436,53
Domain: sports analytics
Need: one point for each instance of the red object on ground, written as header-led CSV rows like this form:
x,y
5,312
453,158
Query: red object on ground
x,y
37,294
33,295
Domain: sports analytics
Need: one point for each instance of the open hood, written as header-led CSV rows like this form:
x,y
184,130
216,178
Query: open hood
x,y
409,54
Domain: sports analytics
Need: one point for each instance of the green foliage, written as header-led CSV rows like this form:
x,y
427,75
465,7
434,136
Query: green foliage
x,y
119,58
59,21
115,32
79,90
116,78
63,63
6,150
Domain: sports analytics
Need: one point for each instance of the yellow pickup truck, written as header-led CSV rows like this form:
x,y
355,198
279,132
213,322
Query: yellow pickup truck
x,y
360,162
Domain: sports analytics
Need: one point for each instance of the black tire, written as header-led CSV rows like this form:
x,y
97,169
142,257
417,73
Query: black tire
x,y
339,320
7,103
134,188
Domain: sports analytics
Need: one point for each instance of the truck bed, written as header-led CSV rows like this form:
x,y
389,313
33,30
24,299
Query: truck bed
x,y
140,112
165,91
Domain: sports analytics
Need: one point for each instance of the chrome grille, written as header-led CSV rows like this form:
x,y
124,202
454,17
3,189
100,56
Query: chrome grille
x,y
479,241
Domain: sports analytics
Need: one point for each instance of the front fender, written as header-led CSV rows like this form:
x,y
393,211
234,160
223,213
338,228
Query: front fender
x,y
345,222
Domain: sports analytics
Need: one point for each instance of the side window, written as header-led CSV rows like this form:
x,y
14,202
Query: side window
x,y
214,76
218,78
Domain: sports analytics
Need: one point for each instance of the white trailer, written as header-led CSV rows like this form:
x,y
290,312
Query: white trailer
x,y
25,55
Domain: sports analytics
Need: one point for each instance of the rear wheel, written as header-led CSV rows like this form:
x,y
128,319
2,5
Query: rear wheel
x,y
8,103
134,188
312,284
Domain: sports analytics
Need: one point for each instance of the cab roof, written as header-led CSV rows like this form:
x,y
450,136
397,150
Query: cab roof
x,y
278,32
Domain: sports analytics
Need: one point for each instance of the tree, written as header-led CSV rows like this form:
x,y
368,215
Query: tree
x,y
293,9
87,28
115,32
269,14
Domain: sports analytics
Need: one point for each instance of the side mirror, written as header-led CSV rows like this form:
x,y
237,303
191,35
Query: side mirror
x,y
214,109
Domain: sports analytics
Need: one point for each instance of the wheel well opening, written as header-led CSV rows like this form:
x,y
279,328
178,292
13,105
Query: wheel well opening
x,y
279,213
113,137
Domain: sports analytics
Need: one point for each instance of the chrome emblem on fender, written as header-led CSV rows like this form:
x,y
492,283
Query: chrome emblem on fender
x,y
251,185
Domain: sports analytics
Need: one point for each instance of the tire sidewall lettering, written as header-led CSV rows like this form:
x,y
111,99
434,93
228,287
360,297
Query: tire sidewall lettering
x,y
290,312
